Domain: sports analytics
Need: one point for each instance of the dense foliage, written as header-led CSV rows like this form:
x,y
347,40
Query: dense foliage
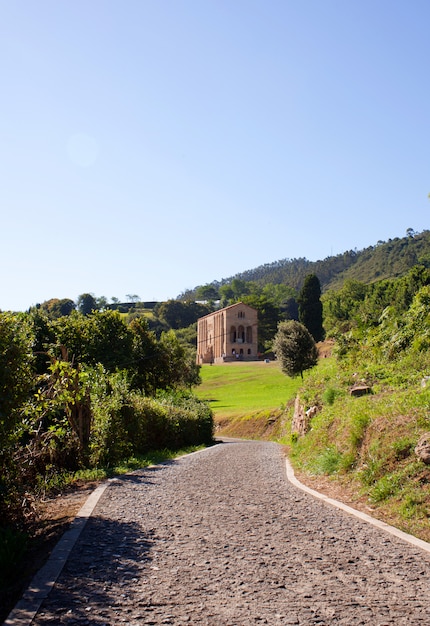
x,y
310,307
83,390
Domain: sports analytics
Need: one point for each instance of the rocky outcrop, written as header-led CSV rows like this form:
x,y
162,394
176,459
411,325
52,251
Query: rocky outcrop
x,y
422,449
301,418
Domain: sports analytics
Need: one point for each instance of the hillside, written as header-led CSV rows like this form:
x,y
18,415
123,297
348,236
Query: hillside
x,y
389,259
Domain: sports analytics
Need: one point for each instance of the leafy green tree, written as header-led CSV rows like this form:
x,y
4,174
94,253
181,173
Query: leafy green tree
x,y
133,297
226,295
64,392
290,309
207,292
177,314
234,291
99,338
310,307
86,303
188,336
57,308
145,355
102,303
341,306
279,294
295,348
410,284
397,333
176,365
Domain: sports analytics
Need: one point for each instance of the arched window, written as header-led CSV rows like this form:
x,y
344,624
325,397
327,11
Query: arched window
x,y
249,334
233,334
241,334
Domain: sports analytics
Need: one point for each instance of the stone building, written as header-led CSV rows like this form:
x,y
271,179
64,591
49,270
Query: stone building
x,y
228,334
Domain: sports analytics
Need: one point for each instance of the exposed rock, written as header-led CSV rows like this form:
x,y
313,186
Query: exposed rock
x,y
310,413
422,449
300,423
302,418
360,390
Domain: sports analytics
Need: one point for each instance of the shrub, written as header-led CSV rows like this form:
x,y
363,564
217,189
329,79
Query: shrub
x,y
328,461
329,396
109,442
403,448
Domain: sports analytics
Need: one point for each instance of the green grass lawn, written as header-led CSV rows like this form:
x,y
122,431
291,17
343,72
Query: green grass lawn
x,y
235,389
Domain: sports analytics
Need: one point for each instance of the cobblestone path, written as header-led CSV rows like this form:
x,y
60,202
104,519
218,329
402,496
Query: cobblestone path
x,y
221,538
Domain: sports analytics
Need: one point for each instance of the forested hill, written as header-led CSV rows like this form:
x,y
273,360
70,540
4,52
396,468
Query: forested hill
x,y
388,259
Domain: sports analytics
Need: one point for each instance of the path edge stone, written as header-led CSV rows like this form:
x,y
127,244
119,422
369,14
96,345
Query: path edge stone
x,y
25,610
415,541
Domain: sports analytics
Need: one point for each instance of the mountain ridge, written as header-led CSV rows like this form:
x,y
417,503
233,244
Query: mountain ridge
x,y
384,260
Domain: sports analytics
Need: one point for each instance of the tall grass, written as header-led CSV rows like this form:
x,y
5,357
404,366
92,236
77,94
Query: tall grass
x,y
368,442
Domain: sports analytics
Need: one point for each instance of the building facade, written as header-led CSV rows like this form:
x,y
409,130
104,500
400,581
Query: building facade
x,y
228,334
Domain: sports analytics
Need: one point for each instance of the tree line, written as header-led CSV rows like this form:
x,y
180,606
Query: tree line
x,y
384,260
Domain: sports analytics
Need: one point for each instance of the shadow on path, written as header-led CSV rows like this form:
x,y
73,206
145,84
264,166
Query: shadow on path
x,y
109,554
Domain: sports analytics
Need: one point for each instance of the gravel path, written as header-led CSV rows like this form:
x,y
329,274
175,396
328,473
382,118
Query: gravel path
x,y
221,538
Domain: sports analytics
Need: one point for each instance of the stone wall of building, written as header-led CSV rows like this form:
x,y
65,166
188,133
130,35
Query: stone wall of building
x,y
228,334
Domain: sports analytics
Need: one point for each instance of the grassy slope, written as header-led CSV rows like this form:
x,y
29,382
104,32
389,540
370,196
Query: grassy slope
x,y
364,446
248,399
237,388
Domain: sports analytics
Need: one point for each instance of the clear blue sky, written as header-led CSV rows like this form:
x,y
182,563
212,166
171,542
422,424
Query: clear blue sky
x,y
149,146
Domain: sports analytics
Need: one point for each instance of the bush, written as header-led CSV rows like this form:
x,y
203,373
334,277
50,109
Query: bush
x,y
109,441
169,421
329,396
127,422
328,462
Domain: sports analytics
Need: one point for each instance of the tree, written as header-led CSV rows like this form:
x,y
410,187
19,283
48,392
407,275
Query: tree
x,y
295,348
310,307
177,314
279,294
209,293
133,298
290,309
145,356
102,303
176,366
87,303
234,291
57,308
99,338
